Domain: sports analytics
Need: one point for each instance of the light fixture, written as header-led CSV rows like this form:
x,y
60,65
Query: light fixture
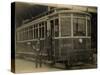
x,y
28,43
80,40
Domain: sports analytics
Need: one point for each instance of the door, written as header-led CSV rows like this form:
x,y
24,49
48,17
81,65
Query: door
x,y
49,39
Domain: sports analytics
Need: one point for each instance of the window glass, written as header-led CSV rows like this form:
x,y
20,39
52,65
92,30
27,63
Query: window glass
x,y
42,32
56,28
27,33
88,27
45,28
21,35
31,32
52,27
65,26
25,37
36,32
79,26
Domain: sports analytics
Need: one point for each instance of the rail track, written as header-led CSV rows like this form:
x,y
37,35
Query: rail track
x,y
29,56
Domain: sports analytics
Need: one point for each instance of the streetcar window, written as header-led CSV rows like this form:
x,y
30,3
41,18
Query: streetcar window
x,y
88,27
39,30
45,28
27,33
52,27
23,37
65,26
30,32
20,35
42,32
79,27
42,23
36,32
56,28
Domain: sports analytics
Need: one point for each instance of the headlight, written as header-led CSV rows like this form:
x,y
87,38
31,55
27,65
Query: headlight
x,y
28,43
80,40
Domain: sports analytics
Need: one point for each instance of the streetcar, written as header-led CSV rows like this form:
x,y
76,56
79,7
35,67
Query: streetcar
x,y
65,36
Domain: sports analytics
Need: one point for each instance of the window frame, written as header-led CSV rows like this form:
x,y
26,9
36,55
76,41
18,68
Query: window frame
x,y
78,20
69,16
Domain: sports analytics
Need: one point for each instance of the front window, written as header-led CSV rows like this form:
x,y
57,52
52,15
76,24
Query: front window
x,y
79,26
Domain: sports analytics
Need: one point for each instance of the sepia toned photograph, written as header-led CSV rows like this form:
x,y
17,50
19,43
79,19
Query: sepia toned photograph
x,y
53,37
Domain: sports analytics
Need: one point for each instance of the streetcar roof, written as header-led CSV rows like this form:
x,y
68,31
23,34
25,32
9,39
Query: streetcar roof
x,y
46,15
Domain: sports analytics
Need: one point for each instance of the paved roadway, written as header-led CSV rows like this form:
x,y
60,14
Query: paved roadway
x,y
25,66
